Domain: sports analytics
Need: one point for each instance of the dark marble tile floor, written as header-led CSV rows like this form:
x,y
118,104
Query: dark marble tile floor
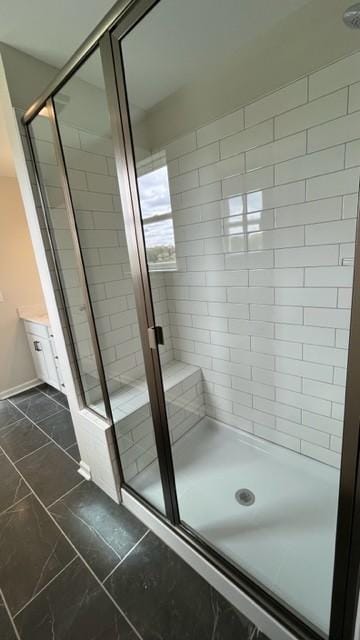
x,y
73,563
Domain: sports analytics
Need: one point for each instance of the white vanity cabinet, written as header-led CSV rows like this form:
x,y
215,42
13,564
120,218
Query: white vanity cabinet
x,y
42,347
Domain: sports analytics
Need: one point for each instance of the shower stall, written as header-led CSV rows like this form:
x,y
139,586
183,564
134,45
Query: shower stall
x,y
197,170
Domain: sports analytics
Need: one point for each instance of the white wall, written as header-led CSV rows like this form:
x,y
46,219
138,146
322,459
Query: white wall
x,y
19,285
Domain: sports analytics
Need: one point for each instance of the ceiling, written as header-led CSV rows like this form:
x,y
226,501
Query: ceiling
x,y
50,31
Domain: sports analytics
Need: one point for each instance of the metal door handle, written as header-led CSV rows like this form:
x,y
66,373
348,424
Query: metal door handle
x,y
156,336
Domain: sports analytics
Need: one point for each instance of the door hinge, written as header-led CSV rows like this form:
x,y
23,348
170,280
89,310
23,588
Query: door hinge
x,y
156,336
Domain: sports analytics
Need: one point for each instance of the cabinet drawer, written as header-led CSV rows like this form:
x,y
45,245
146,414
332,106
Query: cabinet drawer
x,y
36,328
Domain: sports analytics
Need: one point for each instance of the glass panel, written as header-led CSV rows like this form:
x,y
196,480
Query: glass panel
x,y
89,157
57,219
259,141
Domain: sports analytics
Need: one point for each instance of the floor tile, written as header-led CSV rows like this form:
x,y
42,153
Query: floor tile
x,y
50,473
62,399
24,395
8,413
102,531
38,406
48,389
74,452
12,487
6,627
33,551
59,427
21,438
73,606
166,599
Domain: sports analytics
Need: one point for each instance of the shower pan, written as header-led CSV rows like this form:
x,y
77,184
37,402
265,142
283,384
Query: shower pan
x,y
198,174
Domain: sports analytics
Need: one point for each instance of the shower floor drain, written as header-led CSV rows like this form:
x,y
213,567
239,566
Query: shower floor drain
x,y
245,497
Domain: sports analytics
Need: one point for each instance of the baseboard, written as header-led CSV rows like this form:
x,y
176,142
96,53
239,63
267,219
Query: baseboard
x,y
7,393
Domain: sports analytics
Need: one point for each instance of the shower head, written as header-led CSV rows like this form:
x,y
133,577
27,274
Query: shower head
x,y
351,16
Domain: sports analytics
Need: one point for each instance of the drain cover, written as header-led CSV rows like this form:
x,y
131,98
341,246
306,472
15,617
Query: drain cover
x,y
245,497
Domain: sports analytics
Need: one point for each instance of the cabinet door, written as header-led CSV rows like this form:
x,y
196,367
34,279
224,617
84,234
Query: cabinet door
x,y
35,344
52,376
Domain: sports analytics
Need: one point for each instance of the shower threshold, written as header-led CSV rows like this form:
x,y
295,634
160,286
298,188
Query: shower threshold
x,y
286,538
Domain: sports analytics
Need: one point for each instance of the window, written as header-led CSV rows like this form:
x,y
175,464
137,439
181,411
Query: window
x,y
154,192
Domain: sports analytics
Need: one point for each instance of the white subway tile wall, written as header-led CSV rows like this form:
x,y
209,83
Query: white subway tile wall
x,y
261,299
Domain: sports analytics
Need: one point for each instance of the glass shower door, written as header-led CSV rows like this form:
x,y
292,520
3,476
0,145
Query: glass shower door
x,y
247,169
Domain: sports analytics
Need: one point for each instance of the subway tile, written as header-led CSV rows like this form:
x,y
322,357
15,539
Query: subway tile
x,y
79,159
283,439
320,453
331,392
339,318
229,310
179,147
268,313
227,278
303,433
276,347
251,328
340,376
275,152
336,444
282,100
252,181
209,294
252,414
276,379
190,306
329,277
214,351
289,411
246,295
333,184
225,244
354,97
205,263
352,156
222,127
210,322
335,76
326,355
335,132
306,296
342,338
102,184
322,423
247,139
344,298
276,238
307,256
313,164
235,395
194,359
223,169
301,401
276,196
261,360
310,114
201,195
308,335
321,372
250,260
184,182
330,232
337,411
198,231
191,333
231,368
309,212
230,340
276,277
254,388
91,201
189,248
199,158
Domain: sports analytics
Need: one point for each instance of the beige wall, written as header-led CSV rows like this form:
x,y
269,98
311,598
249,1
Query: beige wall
x,y
19,285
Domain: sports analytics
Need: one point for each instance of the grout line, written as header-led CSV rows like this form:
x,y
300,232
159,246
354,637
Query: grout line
x,y
15,504
46,434
45,586
31,452
126,555
78,553
9,614
66,493
52,398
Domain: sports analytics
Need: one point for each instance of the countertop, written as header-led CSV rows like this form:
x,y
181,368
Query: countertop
x,y
36,318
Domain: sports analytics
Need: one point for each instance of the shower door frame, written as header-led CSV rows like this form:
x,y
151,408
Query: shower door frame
x,y
117,23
